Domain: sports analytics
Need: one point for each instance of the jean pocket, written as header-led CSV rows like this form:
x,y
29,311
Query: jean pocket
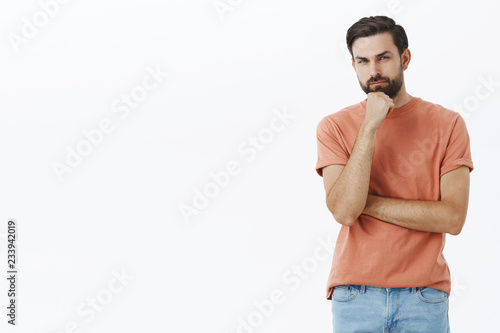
x,y
431,295
344,293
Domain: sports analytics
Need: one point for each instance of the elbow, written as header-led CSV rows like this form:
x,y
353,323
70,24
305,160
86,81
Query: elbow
x,y
343,217
456,224
456,229
347,221
341,214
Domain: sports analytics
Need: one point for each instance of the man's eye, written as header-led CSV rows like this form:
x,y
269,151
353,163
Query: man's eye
x,y
384,57
362,61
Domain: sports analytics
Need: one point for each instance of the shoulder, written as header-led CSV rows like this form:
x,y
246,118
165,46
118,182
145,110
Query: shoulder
x,y
442,120
438,112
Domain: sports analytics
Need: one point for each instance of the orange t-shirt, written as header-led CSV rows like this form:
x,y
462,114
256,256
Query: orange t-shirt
x,y
415,145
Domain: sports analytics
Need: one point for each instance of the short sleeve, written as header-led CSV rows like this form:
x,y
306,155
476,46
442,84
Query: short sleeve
x,y
458,149
330,149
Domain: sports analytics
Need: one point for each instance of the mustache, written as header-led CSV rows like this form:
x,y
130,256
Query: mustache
x,y
377,79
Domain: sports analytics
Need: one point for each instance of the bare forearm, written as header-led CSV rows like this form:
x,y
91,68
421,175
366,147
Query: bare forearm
x,y
432,216
347,198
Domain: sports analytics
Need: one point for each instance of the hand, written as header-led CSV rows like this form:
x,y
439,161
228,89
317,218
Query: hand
x,y
377,107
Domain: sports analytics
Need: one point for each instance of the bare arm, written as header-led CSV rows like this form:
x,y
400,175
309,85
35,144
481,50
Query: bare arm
x,y
347,187
444,216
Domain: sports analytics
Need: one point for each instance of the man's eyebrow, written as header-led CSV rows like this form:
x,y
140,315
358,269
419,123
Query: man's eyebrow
x,y
383,53
378,55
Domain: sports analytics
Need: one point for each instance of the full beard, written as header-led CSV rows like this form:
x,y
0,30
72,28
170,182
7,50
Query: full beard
x,y
391,88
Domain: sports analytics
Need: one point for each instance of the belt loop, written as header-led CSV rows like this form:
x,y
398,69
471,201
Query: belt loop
x,y
362,289
413,290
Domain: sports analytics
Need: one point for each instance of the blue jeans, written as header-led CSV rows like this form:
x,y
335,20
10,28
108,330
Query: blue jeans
x,y
368,309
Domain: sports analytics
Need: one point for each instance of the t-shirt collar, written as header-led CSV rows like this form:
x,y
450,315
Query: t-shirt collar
x,y
400,110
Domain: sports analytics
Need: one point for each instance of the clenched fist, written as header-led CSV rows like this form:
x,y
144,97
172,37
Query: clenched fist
x,y
377,107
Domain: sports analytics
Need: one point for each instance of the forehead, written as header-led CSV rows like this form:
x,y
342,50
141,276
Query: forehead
x,y
371,46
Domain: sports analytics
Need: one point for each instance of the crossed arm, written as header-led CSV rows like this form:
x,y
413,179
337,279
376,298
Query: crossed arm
x,y
347,195
444,216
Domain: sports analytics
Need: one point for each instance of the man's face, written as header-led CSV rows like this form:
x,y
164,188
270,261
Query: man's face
x,y
378,64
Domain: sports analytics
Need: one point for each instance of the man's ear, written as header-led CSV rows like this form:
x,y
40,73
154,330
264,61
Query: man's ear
x,y
405,58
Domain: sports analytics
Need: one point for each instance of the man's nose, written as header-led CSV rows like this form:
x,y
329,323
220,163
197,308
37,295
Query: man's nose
x,y
374,70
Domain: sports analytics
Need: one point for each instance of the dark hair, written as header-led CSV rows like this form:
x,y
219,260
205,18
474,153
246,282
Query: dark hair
x,y
373,25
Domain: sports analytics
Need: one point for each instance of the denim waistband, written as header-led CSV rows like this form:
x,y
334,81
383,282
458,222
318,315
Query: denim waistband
x,y
362,288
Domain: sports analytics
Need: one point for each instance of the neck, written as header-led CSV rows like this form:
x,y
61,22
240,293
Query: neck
x,y
402,98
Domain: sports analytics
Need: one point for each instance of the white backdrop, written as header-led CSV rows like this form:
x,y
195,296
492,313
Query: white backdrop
x,y
159,158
